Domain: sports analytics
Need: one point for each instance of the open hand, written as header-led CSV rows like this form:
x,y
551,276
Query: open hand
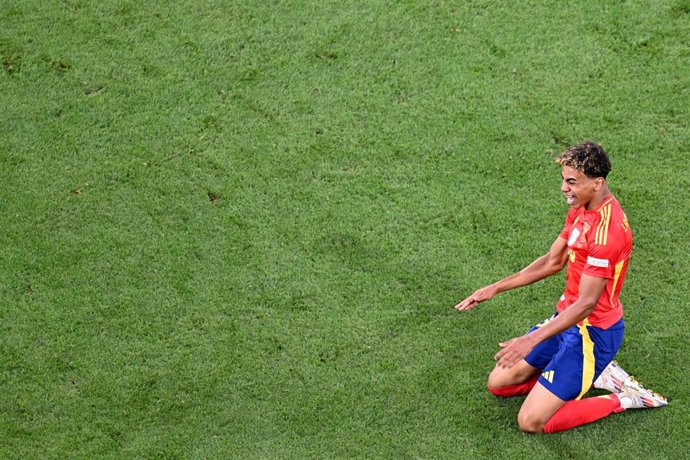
x,y
514,350
480,295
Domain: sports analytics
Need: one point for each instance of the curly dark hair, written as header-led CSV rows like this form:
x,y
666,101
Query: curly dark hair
x,y
588,157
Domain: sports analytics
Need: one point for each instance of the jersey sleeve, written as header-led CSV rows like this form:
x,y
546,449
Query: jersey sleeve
x,y
602,258
568,225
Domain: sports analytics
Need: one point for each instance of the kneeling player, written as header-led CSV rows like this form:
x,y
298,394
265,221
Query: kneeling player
x,y
557,362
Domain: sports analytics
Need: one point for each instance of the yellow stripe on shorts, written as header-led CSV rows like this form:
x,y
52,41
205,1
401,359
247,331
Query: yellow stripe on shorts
x,y
587,358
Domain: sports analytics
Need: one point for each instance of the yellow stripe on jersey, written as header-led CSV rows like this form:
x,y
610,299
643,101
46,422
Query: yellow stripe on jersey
x,y
616,278
603,228
587,357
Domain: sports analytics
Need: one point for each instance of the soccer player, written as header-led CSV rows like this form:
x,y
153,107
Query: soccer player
x,y
557,361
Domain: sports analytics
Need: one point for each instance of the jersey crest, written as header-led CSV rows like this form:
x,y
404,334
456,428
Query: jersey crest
x,y
585,229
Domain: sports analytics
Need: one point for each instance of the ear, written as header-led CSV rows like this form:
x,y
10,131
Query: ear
x,y
598,183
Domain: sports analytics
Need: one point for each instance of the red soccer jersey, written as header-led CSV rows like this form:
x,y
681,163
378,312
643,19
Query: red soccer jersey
x,y
599,244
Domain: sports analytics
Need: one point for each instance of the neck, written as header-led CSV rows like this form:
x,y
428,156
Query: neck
x,y
598,199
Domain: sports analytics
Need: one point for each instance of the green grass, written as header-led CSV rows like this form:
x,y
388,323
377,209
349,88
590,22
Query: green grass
x,y
237,229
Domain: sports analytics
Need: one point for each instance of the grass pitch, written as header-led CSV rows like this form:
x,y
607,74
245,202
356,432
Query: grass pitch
x,y
237,229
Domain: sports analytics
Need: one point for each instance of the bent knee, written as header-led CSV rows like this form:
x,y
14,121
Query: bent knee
x,y
500,378
530,425
492,382
520,373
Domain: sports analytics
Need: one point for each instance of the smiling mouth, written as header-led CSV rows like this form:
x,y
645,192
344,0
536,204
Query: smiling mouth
x,y
570,199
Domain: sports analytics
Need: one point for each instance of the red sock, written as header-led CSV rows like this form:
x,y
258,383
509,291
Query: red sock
x,y
576,413
514,390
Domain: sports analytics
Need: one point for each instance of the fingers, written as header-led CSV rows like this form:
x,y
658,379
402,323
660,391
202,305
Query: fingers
x,y
466,304
462,305
502,352
478,296
507,360
507,357
469,302
505,344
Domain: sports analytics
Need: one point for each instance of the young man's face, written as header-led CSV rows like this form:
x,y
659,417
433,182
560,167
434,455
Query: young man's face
x,y
579,190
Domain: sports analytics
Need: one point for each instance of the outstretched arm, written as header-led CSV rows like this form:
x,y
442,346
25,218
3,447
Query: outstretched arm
x,y
549,264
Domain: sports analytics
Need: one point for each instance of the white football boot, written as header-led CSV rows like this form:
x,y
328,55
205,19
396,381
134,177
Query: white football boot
x,y
612,378
634,396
